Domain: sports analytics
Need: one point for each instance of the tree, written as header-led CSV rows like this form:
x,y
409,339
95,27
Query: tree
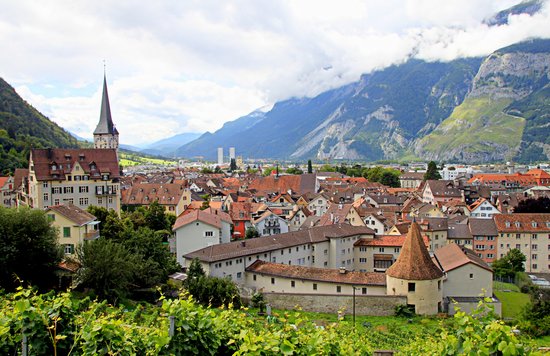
x,y
107,267
251,232
294,170
432,173
155,217
28,248
540,205
391,179
218,170
309,166
233,165
509,264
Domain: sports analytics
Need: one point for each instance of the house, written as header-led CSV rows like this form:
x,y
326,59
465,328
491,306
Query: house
x,y
268,224
483,209
319,204
484,234
411,179
74,225
459,233
379,253
341,213
416,276
321,246
466,278
375,222
241,214
436,229
440,191
528,233
541,176
7,192
81,177
174,198
297,217
196,229
270,277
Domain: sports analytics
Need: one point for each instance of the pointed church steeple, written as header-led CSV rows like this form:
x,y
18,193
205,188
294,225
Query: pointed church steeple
x,y
105,134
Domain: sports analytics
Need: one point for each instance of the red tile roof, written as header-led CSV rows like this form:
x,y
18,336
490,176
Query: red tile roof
x,y
146,193
317,274
414,261
452,256
65,159
527,223
388,241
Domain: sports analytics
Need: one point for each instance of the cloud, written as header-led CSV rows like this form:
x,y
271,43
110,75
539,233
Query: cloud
x,y
176,66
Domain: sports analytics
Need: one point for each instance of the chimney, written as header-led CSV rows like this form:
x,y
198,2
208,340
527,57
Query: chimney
x,y
331,217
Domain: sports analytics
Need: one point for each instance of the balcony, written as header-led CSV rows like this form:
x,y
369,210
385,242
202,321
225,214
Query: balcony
x,y
91,235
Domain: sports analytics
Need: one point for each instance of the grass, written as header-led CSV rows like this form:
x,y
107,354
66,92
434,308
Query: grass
x,y
128,160
478,125
513,301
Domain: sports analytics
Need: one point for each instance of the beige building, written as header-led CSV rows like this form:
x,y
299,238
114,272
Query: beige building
x,y
528,233
415,276
467,277
82,177
174,198
74,225
7,192
279,278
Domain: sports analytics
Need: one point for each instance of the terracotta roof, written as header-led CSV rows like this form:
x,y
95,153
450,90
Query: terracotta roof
x,y
388,241
18,176
146,193
301,184
317,274
498,178
259,245
209,216
452,256
3,181
65,159
72,212
522,222
414,261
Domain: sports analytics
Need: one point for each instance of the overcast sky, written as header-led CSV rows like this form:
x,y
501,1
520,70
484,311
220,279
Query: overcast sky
x,y
189,66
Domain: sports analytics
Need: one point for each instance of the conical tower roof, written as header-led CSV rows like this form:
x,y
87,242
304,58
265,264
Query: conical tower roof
x,y
105,125
414,261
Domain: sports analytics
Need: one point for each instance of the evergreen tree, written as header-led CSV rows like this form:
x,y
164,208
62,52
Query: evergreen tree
x,y
233,165
309,166
432,173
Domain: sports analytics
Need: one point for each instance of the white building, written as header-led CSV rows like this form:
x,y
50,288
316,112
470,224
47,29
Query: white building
x,y
220,156
231,153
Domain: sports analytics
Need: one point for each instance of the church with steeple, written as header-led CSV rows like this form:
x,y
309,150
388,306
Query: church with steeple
x,y
105,134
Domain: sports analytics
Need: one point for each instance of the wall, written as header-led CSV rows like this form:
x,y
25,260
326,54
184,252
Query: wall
x,y
191,237
459,283
364,305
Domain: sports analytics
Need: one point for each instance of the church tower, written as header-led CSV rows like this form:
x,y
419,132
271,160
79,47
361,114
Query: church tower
x,y
105,134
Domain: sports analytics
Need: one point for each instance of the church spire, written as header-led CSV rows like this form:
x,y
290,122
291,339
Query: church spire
x,y
105,134
105,125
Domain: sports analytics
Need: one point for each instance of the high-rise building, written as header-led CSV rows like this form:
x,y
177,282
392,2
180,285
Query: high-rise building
x,y
231,153
220,156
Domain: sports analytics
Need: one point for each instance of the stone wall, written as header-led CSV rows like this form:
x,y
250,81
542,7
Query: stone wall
x,y
324,303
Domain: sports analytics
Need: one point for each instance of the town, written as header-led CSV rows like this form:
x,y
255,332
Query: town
x,y
416,234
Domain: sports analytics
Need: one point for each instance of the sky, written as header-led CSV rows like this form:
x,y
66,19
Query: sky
x,y
190,66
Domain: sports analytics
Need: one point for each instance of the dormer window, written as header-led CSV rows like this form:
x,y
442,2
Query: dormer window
x,y
507,224
93,166
518,224
81,157
54,167
534,224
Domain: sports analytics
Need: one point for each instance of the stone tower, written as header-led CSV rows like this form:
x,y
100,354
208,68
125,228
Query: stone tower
x,y
416,276
105,134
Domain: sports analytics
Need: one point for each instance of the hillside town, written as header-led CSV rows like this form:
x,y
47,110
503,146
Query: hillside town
x,y
428,243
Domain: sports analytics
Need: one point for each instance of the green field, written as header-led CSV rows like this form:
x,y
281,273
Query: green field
x,y
133,159
513,301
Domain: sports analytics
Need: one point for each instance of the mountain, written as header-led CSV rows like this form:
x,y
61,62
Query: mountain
x,y
22,127
168,146
529,7
468,110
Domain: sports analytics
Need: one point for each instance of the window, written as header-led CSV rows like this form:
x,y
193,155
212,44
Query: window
x,y
326,252
292,284
68,190
51,217
66,232
534,256
412,287
83,201
208,233
254,277
56,202
380,249
534,265
239,275
364,290
56,190
338,289
314,286
46,196
396,250
363,249
534,236
362,260
471,276
272,280
69,248
438,285
518,236
83,189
